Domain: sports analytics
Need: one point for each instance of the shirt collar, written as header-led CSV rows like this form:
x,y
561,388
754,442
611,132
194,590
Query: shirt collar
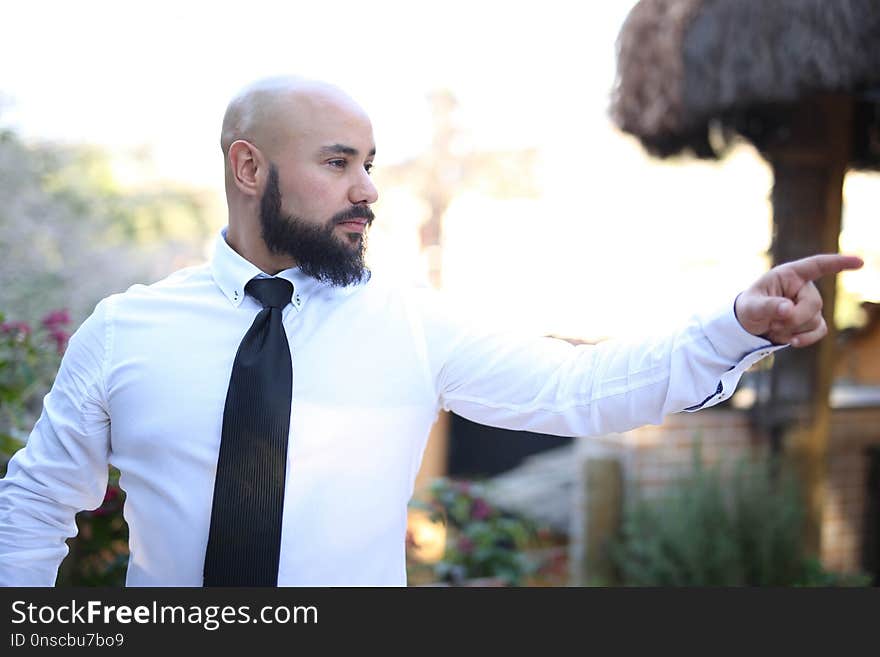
x,y
232,272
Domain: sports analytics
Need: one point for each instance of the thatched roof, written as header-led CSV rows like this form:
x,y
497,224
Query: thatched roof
x,y
686,67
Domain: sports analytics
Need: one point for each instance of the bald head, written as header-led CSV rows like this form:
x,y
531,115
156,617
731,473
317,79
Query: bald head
x,y
269,112
297,156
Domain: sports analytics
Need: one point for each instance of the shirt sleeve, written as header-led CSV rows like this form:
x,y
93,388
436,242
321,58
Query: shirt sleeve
x,y
547,385
62,469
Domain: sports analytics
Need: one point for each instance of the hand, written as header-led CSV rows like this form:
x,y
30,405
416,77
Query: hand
x,y
784,305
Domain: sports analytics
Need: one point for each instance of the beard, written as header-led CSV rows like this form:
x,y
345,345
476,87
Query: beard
x,y
317,251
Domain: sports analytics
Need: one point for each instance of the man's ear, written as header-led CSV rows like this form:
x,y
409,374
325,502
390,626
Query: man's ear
x,y
246,164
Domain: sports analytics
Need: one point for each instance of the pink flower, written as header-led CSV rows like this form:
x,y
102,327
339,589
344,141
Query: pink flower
x,y
23,329
107,505
465,545
60,337
56,317
480,510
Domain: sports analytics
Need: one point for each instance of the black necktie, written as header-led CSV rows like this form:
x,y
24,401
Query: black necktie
x,y
244,542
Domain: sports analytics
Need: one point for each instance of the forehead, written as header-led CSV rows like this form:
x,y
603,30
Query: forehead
x,y
322,120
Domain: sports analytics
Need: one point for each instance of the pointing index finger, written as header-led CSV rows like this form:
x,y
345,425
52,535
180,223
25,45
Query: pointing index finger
x,y
816,266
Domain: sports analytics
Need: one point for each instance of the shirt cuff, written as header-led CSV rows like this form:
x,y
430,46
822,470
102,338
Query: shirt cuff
x,y
731,340
735,345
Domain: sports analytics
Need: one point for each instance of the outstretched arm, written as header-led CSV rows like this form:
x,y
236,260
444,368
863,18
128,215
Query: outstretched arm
x,y
549,386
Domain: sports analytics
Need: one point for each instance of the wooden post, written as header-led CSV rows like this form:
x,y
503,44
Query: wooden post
x,y
809,168
601,511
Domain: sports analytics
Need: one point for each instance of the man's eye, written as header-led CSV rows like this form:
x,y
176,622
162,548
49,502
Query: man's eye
x,y
369,167
337,163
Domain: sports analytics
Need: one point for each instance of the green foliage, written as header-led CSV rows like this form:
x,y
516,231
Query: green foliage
x,y
718,529
98,554
74,234
482,540
29,358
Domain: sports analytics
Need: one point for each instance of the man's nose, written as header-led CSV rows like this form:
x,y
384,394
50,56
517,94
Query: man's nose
x,y
363,191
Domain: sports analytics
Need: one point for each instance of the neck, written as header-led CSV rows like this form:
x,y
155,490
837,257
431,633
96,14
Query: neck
x,y
250,246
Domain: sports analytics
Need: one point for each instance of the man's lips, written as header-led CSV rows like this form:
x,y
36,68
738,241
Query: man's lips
x,y
356,225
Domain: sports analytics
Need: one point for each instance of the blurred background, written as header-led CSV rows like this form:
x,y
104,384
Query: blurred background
x,y
503,182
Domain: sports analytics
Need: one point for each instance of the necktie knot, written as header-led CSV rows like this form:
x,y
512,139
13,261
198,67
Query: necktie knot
x,y
271,292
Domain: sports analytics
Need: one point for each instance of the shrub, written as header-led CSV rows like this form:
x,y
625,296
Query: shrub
x,y
29,359
717,529
482,541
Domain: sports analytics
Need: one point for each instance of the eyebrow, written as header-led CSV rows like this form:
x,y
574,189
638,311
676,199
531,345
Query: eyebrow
x,y
342,149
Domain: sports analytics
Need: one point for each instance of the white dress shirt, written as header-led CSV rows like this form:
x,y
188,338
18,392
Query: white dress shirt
x,y
143,385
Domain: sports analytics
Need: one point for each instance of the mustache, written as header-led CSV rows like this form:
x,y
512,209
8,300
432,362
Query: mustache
x,y
354,212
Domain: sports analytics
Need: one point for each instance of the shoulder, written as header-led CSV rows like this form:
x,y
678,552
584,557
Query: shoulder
x,y
433,309
180,282
383,288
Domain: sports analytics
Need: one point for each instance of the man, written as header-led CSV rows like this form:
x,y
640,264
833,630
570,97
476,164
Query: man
x,y
268,410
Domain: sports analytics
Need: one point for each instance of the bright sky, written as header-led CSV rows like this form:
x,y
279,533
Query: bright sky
x,y
160,73
616,243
